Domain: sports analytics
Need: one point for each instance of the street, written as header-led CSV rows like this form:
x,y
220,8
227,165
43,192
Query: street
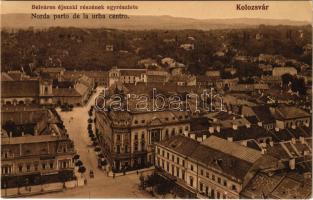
x,y
101,186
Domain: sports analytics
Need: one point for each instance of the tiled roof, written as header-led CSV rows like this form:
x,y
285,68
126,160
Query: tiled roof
x,y
263,114
180,144
25,88
6,77
233,149
198,124
65,92
291,112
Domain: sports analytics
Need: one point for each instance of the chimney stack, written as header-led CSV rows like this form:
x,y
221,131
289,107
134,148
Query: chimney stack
x,y
211,130
260,124
218,129
248,125
276,129
230,139
293,126
292,163
235,126
302,140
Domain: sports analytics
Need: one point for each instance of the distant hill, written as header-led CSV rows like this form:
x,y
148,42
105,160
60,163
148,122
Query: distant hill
x,y
142,22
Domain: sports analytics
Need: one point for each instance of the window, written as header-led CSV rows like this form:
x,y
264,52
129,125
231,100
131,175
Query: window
x,y
219,180
136,137
177,160
173,158
43,165
233,187
28,167
136,122
183,162
163,153
191,167
224,183
158,151
213,177
136,147
118,149
218,194
186,128
118,137
207,175
201,187
36,167
201,172
143,121
167,166
20,168
177,171
191,181
180,130
51,165
168,155
126,148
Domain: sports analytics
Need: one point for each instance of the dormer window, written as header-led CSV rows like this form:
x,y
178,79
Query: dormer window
x,y
143,121
136,122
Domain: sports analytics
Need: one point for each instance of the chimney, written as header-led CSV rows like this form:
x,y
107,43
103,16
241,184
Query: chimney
x,y
292,163
276,129
244,143
35,131
248,125
260,124
230,139
211,129
293,140
293,126
271,143
204,137
302,140
218,129
235,126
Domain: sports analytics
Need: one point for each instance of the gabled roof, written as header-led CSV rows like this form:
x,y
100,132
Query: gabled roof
x,y
290,112
27,88
263,114
180,144
233,149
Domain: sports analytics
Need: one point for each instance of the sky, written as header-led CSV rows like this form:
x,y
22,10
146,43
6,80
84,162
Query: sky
x,y
292,10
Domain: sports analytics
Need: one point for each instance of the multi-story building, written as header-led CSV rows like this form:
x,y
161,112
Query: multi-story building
x,y
128,138
26,92
132,76
291,116
35,147
215,168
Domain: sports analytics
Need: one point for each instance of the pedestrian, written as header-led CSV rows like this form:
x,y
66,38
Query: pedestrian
x,y
137,172
113,175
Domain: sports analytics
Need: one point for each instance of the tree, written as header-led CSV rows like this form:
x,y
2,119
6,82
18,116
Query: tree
x,y
81,170
78,163
298,85
286,79
76,157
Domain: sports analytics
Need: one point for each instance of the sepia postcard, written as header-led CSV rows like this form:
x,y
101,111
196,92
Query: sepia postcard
x,y
156,99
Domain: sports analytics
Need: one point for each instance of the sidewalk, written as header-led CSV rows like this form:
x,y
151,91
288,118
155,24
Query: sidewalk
x,y
150,169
